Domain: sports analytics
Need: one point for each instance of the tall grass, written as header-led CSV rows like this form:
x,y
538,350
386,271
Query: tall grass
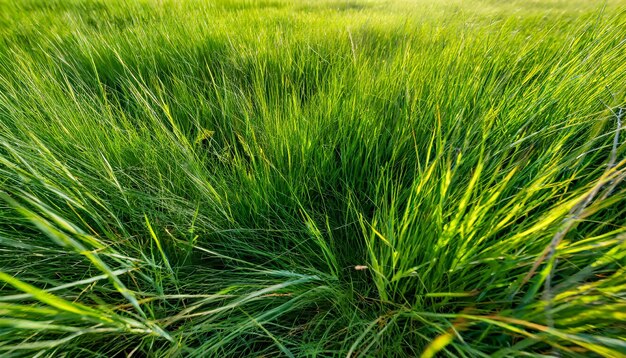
x,y
312,178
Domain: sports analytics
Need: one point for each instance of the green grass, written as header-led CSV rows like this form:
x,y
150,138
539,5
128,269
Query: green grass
x,y
312,178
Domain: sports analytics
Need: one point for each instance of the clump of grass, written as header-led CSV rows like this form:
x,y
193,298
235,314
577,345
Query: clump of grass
x,y
361,178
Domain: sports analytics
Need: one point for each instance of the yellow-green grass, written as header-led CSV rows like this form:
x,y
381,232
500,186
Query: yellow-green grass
x,y
312,178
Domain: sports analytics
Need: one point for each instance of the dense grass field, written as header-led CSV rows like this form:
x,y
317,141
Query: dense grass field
x,y
387,178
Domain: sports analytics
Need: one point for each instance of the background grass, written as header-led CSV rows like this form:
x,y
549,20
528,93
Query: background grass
x,y
312,178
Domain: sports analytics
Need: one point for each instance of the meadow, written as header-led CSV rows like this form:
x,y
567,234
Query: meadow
x,y
312,178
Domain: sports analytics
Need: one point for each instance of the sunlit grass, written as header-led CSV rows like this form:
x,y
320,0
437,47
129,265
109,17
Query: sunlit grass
x,y
312,178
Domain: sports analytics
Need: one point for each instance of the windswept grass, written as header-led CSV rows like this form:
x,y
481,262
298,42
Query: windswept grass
x,y
312,178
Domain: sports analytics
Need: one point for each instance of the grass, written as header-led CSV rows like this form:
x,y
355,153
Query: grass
x,y
312,178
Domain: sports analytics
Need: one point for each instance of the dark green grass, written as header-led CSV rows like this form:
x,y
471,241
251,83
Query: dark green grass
x,y
312,178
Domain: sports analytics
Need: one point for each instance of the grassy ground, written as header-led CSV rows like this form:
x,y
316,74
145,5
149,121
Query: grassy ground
x,y
312,178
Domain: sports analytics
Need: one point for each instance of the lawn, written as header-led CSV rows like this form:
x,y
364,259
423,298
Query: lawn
x,y
386,178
